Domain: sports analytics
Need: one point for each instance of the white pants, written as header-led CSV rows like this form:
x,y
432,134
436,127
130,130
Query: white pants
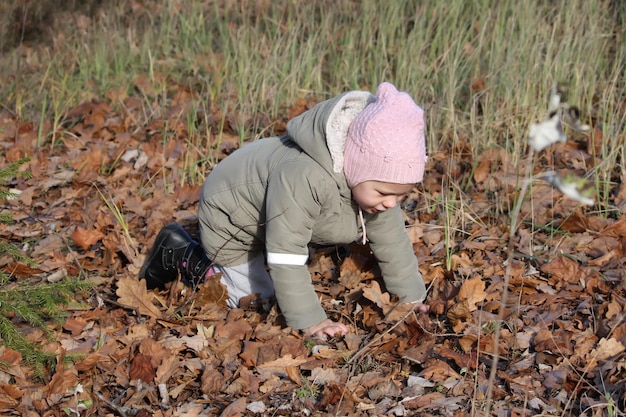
x,y
246,279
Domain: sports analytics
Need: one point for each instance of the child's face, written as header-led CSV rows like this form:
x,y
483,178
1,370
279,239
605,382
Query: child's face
x,y
375,196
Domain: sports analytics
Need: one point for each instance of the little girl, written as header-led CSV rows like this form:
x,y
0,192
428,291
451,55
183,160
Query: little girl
x,y
337,174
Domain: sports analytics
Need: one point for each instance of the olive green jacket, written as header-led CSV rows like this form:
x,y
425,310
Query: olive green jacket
x,y
279,194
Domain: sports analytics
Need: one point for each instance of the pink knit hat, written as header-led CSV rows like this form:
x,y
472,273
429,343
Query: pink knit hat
x,y
386,140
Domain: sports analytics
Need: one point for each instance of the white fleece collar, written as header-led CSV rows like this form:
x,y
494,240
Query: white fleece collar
x,y
339,121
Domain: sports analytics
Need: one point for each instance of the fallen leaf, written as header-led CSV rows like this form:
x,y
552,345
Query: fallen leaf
x,y
473,291
132,293
9,396
212,380
382,299
278,366
482,171
607,348
74,325
141,368
459,314
563,268
86,238
168,367
62,383
352,273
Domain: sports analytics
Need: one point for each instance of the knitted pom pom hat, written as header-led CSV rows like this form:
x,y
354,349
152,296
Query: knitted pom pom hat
x,y
386,141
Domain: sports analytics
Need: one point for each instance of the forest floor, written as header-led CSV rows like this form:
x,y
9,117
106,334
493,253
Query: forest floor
x,y
101,191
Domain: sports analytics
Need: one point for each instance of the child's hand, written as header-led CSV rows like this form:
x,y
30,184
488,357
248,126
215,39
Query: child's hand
x,y
326,328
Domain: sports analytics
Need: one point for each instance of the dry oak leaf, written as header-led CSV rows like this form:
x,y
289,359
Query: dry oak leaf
x,y
563,268
90,362
459,315
382,299
280,365
473,290
168,368
9,396
12,360
86,238
352,273
235,408
212,380
439,371
482,171
75,325
141,368
132,293
154,350
61,384
607,348
617,229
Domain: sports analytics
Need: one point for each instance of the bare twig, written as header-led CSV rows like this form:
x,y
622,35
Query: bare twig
x,y
122,411
507,278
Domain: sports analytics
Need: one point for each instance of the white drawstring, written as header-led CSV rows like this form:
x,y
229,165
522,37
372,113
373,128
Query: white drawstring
x,y
363,226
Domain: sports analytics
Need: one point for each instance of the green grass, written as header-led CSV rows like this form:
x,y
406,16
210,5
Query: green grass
x,y
247,58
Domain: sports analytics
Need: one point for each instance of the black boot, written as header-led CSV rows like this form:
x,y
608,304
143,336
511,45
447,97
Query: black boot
x,y
174,252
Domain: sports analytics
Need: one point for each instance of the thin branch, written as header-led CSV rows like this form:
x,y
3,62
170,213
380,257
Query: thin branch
x,y
507,277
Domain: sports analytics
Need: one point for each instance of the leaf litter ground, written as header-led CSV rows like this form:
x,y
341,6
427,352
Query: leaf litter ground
x,y
183,353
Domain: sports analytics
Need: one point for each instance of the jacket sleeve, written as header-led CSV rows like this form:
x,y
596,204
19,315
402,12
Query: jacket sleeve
x,y
394,252
292,205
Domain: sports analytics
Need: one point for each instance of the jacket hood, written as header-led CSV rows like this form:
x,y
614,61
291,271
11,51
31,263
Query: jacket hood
x,y
322,130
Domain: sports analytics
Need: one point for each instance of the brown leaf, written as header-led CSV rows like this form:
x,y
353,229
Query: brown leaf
x,y
20,270
62,383
563,268
432,235
9,356
167,368
473,291
461,360
438,371
154,350
293,373
89,362
384,389
423,401
553,341
237,407
86,238
607,348
141,368
617,229
382,299
459,314
462,261
74,325
9,396
577,222
12,359
352,273
620,333
212,380
482,171
212,291
278,366
555,379
250,353
399,311
233,329
132,293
